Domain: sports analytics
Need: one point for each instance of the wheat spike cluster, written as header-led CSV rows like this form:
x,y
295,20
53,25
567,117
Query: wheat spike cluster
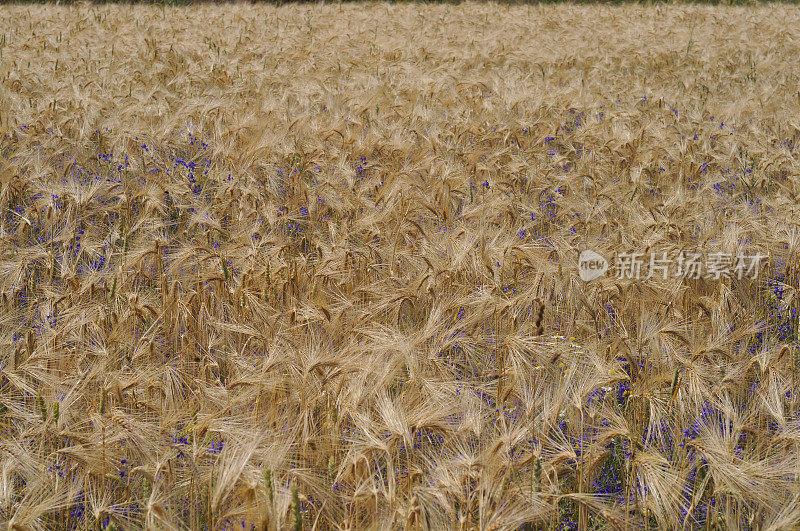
x,y
316,267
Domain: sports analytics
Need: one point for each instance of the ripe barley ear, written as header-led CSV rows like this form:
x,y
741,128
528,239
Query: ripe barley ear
x,y
538,320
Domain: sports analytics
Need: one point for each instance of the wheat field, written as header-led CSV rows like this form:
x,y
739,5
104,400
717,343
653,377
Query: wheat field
x,y
316,267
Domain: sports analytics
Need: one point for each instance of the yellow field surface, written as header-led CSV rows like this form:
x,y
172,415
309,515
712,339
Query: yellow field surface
x,y
317,266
